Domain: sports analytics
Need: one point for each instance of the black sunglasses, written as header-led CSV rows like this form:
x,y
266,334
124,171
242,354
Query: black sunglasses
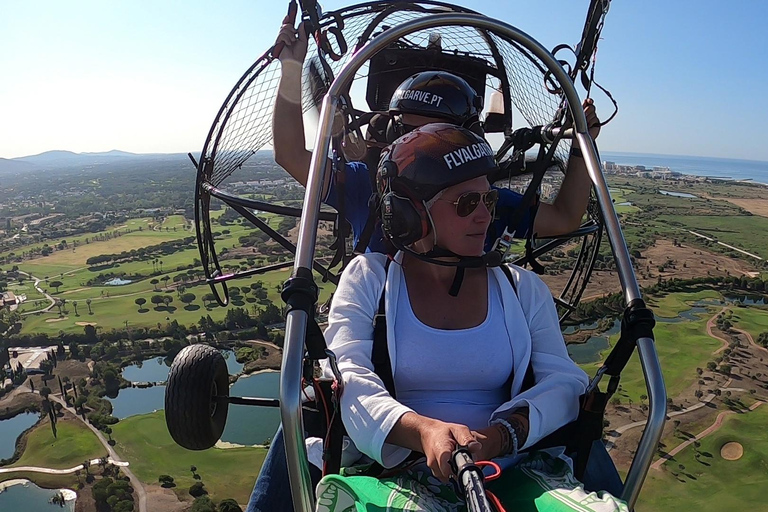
x,y
469,201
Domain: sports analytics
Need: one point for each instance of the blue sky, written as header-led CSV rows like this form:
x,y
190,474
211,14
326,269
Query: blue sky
x,y
149,76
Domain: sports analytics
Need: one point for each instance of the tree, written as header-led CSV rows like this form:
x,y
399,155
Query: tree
x,y
197,489
188,298
140,302
203,504
46,366
166,481
88,303
229,505
74,304
56,284
154,283
45,391
156,300
90,334
167,301
166,278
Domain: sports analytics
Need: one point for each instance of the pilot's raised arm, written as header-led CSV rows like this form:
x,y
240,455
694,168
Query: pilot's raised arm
x,y
287,122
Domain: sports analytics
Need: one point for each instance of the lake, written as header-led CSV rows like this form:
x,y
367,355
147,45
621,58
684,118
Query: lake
x,y
245,424
11,429
156,370
677,194
590,350
30,498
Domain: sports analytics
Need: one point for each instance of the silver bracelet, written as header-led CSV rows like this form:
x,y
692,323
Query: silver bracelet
x,y
512,435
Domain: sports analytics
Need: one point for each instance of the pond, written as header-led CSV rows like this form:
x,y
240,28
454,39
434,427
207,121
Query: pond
x,y
693,315
245,425
11,429
116,281
589,351
747,299
31,498
253,425
581,327
677,194
156,369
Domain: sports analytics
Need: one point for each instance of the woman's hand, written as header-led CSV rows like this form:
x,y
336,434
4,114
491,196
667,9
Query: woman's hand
x,y
438,442
488,443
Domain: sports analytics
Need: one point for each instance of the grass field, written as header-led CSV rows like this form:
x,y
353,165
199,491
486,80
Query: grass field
x,y
619,196
753,319
73,444
113,310
113,306
144,441
710,483
671,305
745,232
682,347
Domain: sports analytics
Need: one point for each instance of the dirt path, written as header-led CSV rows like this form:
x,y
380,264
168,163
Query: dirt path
x,y
712,428
113,456
710,324
40,290
51,471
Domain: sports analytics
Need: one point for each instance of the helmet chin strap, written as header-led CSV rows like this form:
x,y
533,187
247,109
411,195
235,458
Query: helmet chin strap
x,y
490,259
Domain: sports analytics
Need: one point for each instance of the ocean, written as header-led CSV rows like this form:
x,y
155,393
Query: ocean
x,y
754,170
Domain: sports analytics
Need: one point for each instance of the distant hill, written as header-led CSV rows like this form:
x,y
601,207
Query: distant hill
x,y
54,160
12,165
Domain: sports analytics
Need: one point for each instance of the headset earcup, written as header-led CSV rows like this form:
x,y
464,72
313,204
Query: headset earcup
x,y
403,221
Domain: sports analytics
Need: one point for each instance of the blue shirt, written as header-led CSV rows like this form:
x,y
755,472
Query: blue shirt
x,y
358,191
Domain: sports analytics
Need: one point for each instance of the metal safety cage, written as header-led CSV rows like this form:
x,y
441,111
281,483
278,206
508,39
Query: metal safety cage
x,y
297,319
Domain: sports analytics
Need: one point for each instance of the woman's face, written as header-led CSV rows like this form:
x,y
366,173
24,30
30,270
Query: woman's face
x,y
464,236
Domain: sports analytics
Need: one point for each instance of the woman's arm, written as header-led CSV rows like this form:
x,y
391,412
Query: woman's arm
x,y
554,400
369,412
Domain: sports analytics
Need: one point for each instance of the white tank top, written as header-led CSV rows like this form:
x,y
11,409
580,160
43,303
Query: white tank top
x,y
458,376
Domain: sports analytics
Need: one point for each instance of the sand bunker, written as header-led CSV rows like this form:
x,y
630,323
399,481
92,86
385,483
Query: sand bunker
x,y
82,324
51,320
732,451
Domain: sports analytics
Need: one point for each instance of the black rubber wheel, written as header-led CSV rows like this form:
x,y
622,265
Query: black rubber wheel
x,y
195,418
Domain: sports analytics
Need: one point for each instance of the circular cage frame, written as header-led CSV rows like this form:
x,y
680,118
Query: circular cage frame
x,y
297,319
218,161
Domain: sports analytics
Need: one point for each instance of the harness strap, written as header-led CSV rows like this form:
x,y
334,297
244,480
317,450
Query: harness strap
x,y
382,364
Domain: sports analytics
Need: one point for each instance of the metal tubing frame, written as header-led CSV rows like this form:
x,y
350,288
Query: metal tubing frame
x,y
296,321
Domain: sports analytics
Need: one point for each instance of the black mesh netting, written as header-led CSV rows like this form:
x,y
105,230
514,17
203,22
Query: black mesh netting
x,y
243,126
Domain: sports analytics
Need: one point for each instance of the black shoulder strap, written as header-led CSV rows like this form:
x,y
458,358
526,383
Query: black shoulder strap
x,y
382,365
529,379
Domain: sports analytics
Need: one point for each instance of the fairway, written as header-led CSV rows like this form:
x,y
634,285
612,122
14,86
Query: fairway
x,y
682,347
145,442
74,443
745,232
753,319
708,482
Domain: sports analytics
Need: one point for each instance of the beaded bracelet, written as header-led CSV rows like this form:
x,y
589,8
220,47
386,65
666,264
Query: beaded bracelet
x,y
508,450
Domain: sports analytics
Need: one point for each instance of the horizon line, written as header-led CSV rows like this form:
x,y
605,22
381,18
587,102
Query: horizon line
x,y
196,153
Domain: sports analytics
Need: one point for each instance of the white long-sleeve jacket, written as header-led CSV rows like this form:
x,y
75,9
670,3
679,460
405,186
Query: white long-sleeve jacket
x,y
369,412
